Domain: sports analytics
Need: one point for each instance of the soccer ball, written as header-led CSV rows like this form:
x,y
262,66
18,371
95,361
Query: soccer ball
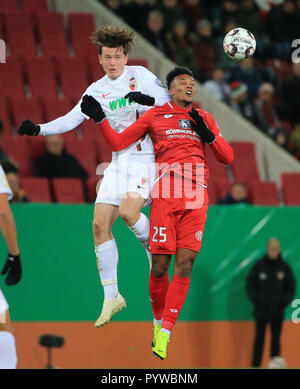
x,y
277,363
239,44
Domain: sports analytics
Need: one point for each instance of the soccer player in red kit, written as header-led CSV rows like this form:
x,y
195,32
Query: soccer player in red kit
x,y
179,134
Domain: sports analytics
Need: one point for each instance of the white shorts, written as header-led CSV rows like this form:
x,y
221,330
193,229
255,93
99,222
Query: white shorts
x,y
3,307
127,173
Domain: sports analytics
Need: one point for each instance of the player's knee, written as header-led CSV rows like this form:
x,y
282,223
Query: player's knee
x,y
100,230
184,266
129,216
159,269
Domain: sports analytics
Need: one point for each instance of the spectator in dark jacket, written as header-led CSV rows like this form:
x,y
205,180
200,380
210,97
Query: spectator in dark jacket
x,y
237,195
270,286
57,162
154,31
290,96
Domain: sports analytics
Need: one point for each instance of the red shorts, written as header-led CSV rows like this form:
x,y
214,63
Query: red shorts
x,y
172,225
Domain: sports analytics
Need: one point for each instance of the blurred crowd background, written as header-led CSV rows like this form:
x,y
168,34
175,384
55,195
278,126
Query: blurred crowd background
x,y
264,89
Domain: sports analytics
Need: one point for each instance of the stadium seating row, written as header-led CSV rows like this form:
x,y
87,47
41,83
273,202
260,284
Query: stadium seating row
x,y
66,190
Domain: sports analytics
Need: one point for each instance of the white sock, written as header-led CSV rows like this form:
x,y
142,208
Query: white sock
x,y
107,261
8,354
159,322
141,230
167,331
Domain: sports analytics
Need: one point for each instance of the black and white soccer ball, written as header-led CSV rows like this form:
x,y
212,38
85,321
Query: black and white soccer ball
x,y
239,44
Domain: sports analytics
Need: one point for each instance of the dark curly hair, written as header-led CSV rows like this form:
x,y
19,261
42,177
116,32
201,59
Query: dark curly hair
x,y
177,72
114,36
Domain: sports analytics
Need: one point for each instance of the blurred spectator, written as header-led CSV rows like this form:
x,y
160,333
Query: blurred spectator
x,y
220,16
154,31
172,11
57,162
295,139
290,96
241,103
180,46
283,26
252,75
194,13
237,195
19,194
205,50
8,164
270,286
217,87
249,18
135,13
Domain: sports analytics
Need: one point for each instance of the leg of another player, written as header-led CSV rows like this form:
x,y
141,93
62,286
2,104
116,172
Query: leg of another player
x,y
130,212
107,260
175,298
8,354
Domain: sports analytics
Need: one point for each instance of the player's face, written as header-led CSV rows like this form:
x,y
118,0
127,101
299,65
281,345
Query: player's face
x,y
183,90
113,61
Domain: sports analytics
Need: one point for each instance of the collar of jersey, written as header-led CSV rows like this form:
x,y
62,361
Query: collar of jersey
x,y
120,78
177,108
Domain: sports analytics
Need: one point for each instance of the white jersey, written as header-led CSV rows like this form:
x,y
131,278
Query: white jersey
x,y
4,186
119,112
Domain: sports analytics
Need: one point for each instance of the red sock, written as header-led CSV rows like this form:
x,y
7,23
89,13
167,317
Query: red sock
x,y
158,287
175,299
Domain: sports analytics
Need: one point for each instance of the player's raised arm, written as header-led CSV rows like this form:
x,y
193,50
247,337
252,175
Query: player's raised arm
x,y
210,134
58,126
116,141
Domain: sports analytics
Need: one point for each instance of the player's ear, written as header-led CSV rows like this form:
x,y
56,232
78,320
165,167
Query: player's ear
x,y
126,60
99,59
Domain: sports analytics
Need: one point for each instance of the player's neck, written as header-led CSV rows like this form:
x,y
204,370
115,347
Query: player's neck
x,y
182,104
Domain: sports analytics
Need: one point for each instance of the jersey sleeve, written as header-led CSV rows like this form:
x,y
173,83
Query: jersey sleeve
x,y
132,133
4,186
154,87
221,149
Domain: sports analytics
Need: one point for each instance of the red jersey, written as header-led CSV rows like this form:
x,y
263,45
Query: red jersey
x,y
173,138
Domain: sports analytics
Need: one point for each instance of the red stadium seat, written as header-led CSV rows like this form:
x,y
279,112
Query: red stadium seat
x,y
223,187
96,70
263,193
138,62
37,189
19,151
41,78
37,146
8,6
52,35
73,77
212,192
217,171
90,130
22,44
54,108
85,152
34,6
291,188
93,184
244,166
4,119
11,79
68,190
25,108
81,26
20,21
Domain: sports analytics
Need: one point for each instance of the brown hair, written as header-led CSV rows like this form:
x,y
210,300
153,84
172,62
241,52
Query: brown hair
x,y
114,36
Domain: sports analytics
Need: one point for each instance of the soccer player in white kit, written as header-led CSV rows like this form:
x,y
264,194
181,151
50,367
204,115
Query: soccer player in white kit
x,y
12,267
125,92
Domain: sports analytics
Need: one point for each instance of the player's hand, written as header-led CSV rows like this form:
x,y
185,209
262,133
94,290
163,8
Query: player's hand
x,y
90,107
13,269
29,128
140,98
200,127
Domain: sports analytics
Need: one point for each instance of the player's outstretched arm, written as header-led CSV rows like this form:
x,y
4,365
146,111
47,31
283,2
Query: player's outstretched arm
x,y
210,134
92,108
12,266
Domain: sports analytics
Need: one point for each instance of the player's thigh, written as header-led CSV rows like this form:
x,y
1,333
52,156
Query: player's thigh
x,y
162,239
191,228
104,217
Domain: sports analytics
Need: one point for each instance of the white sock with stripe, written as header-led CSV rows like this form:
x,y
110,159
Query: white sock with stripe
x,y
107,262
141,230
